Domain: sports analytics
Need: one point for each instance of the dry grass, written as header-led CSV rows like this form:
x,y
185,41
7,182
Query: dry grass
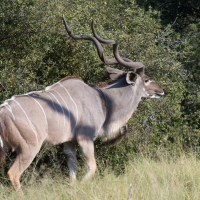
x,y
166,179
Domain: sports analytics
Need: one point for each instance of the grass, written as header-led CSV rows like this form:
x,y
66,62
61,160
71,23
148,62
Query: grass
x,y
145,179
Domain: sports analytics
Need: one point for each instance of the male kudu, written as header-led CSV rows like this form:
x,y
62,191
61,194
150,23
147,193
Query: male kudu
x,y
71,112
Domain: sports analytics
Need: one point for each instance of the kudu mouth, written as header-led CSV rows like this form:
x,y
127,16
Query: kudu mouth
x,y
157,95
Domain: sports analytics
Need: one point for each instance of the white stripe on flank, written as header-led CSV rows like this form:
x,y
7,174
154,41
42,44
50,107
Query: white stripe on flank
x,y
9,109
39,106
62,107
73,103
63,112
27,118
52,103
58,103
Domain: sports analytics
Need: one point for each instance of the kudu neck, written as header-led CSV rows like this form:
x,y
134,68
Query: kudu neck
x,y
123,94
121,99
119,102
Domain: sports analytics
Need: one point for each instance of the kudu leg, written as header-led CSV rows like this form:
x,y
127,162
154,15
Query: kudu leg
x,y
24,158
70,151
87,148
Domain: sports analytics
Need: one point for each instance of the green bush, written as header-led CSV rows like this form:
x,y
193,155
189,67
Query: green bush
x,y
35,51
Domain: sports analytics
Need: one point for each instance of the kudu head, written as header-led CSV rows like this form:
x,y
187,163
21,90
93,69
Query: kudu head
x,y
136,75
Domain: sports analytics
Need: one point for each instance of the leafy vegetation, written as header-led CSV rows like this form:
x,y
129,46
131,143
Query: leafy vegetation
x,y
35,51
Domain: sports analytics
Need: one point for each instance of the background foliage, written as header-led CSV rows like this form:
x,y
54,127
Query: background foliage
x,y
35,51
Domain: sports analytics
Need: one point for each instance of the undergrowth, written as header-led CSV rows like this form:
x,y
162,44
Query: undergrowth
x,y
164,178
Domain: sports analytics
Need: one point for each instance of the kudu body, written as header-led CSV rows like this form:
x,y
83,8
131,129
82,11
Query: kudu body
x,y
71,112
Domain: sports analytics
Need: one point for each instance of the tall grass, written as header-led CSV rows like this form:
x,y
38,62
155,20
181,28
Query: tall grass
x,y
166,178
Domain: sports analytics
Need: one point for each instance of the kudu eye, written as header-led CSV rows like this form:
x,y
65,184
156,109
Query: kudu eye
x,y
146,80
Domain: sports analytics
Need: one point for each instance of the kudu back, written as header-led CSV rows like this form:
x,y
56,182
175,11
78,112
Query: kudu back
x,y
71,112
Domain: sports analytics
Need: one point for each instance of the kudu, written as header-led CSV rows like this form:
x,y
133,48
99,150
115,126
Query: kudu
x,y
71,112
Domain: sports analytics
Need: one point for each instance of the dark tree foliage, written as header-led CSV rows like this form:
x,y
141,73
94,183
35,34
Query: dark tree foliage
x,y
183,12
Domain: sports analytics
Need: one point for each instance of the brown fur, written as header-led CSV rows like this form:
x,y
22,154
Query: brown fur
x,y
104,84
101,85
123,134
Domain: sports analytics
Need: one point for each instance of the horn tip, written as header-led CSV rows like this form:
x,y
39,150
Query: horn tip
x,y
92,23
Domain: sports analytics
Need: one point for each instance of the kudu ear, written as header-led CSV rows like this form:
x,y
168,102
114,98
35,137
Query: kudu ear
x,y
140,71
114,73
131,78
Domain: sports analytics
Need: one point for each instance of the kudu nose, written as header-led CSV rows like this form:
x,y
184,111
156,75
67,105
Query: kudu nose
x,y
164,91
160,91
